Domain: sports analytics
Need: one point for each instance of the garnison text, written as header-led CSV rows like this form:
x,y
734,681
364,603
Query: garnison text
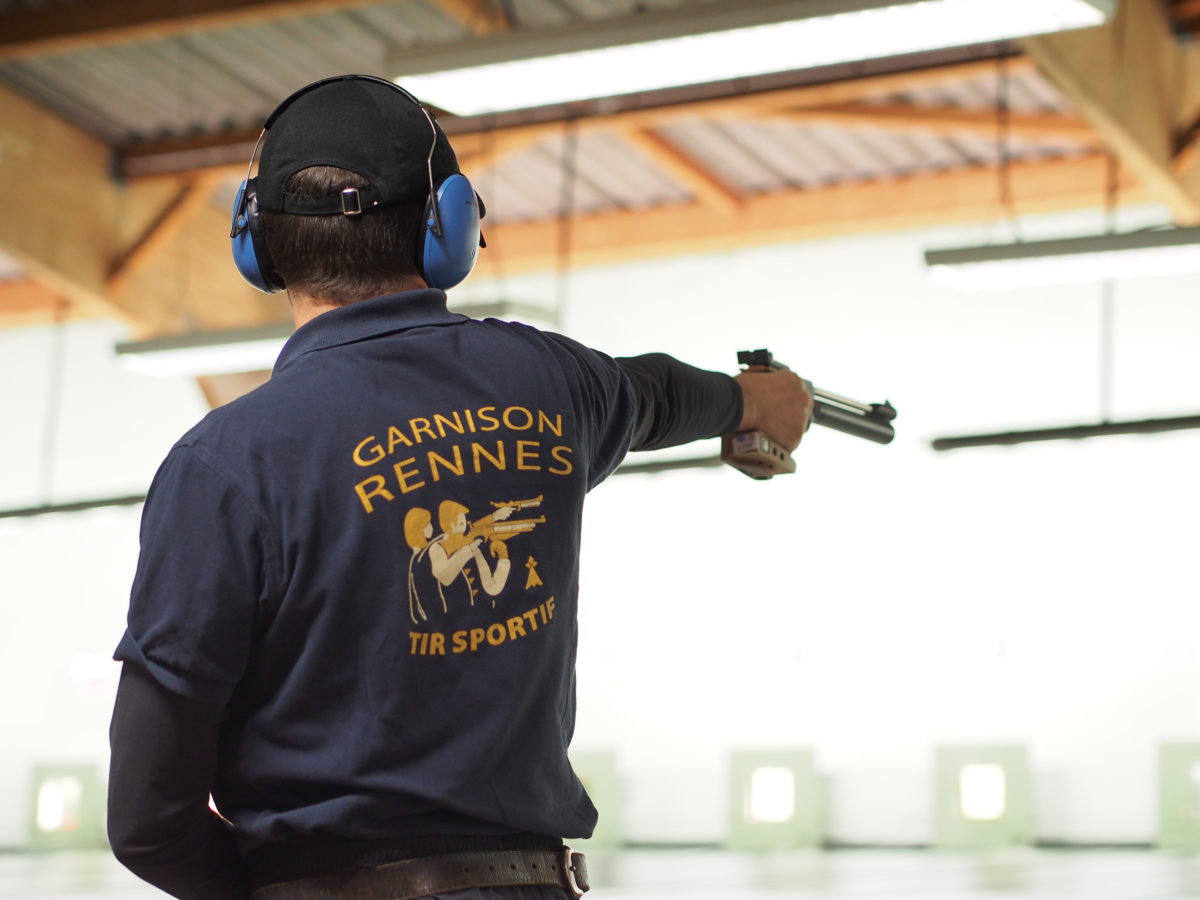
x,y
457,444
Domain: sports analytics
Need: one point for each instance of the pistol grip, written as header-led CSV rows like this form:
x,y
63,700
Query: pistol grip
x,y
754,453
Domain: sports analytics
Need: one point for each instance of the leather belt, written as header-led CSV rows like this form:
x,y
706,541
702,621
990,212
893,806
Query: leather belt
x,y
410,879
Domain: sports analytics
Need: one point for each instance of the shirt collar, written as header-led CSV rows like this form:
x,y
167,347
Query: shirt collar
x,y
369,318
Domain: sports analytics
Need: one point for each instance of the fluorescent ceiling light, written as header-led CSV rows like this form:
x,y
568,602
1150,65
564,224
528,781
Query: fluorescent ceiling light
x,y
829,32
1172,251
206,353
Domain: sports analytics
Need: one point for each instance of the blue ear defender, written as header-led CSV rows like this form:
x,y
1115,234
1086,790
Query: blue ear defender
x,y
450,243
249,246
447,246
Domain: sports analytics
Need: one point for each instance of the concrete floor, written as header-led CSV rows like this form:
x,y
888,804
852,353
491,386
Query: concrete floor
x,y
716,875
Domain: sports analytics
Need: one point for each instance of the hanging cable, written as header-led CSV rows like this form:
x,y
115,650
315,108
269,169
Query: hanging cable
x,y
1108,289
510,13
53,400
566,216
487,160
1106,426
1004,144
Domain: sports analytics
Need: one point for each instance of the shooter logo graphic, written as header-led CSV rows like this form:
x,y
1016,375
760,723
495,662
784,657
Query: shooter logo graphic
x,y
456,554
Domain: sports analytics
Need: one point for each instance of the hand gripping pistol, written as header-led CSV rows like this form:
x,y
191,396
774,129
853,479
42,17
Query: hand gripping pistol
x,y
757,455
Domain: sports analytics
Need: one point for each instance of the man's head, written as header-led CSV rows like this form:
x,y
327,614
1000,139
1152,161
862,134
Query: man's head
x,y
452,517
342,188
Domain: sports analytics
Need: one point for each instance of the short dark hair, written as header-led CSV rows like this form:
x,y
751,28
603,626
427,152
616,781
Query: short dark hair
x,y
341,258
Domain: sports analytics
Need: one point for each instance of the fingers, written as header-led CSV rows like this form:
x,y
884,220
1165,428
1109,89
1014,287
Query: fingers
x,y
778,402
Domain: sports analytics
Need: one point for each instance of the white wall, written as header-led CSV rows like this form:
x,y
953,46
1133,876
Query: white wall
x,y
880,602
64,579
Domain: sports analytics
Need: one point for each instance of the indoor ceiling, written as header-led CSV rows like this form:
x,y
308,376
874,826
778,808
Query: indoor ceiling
x,y
125,126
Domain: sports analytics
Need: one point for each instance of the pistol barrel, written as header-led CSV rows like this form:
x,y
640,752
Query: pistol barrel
x,y
872,421
874,424
831,399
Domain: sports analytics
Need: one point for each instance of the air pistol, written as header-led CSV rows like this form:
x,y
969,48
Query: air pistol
x,y
757,455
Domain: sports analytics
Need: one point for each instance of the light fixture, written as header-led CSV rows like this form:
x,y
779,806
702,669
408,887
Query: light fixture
x,y
1066,433
982,791
693,45
776,800
1168,251
66,809
772,795
206,353
58,803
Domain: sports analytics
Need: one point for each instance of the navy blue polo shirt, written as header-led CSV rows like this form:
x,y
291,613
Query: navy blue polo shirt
x,y
371,561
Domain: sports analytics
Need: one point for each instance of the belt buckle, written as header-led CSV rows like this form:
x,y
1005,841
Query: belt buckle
x,y
569,869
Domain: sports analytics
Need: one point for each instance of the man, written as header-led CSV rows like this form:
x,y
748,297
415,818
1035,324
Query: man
x,y
272,656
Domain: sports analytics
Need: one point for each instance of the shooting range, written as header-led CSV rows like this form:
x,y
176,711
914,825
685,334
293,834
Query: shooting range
x,y
962,664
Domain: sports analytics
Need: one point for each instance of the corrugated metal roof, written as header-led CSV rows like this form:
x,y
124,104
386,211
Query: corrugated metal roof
x,y
1027,92
212,80
549,179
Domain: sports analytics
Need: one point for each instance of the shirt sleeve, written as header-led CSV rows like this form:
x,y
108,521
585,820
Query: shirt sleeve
x,y
164,760
678,403
605,400
202,575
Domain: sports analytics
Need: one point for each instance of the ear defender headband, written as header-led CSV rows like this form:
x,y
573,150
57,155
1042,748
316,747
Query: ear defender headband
x,y
447,245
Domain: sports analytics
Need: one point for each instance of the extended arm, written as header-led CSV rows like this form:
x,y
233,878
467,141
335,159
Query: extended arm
x,y
164,760
678,403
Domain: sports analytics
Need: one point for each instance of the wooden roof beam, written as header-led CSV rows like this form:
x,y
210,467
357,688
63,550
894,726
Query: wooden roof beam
x,y
802,215
701,183
28,302
61,27
118,251
187,280
480,17
1187,153
61,202
1128,79
1187,160
171,219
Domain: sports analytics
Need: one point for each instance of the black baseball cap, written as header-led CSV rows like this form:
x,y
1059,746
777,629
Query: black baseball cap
x,y
357,122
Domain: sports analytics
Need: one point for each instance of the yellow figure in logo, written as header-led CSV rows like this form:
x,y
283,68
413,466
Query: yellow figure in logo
x,y
457,551
456,548
418,532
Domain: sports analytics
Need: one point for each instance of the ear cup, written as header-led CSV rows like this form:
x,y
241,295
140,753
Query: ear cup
x,y
248,244
448,258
